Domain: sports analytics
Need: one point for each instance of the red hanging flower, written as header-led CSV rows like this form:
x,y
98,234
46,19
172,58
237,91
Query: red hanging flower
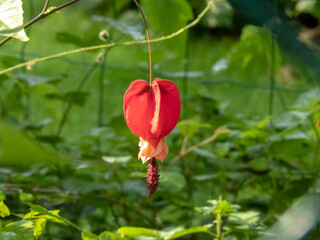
x,y
151,113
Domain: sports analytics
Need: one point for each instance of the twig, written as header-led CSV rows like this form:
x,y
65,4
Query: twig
x,y
193,23
43,14
183,152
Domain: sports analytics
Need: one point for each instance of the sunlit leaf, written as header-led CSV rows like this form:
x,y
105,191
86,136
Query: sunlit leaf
x,y
116,159
110,236
137,232
11,19
87,235
40,212
4,210
39,227
22,230
188,231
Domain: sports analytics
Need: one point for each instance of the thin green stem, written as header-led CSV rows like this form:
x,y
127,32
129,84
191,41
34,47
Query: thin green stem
x,y
193,23
101,91
185,76
272,76
219,226
148,37
218,221
316,153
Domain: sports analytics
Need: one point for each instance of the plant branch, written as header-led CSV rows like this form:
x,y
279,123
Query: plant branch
x,y
193,23
44,13
184,151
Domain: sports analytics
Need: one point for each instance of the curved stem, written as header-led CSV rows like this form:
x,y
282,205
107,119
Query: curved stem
x,y
148,36
170,36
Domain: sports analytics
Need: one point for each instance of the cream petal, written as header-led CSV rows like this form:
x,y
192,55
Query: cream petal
x,y
147,151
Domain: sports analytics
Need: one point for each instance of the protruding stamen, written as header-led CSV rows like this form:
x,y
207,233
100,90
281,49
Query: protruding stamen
x,y
152,177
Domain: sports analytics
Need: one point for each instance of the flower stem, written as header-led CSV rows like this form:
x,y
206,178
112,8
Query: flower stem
x,y
218,221
148,36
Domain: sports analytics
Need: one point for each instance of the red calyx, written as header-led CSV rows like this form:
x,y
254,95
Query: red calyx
x,y
152,112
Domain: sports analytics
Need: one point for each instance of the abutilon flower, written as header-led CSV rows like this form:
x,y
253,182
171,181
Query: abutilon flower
x,y
151,113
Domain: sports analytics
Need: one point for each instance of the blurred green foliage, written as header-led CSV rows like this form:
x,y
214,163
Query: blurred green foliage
x,y
68,162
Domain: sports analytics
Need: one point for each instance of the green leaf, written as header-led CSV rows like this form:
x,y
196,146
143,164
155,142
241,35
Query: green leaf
x,y
98,132
137,232
38,211
11,140
26,197
11,19
78,98
244,63
290,119
72,97
38,227
173,182
249,218
109,236
253,136
189,127
308,100
188,231
15,93
20,230
4,210
87,235
296,144
84,186
311,6
33,81
49,139
205,177
224,208
116,159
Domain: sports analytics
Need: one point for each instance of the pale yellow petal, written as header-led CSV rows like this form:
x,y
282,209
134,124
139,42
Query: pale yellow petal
x,y
147,151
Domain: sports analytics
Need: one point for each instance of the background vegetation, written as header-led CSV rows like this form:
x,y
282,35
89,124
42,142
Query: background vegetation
x,y
248,75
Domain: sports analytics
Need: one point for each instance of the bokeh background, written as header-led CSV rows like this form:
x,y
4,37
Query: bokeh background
x,y
252,66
